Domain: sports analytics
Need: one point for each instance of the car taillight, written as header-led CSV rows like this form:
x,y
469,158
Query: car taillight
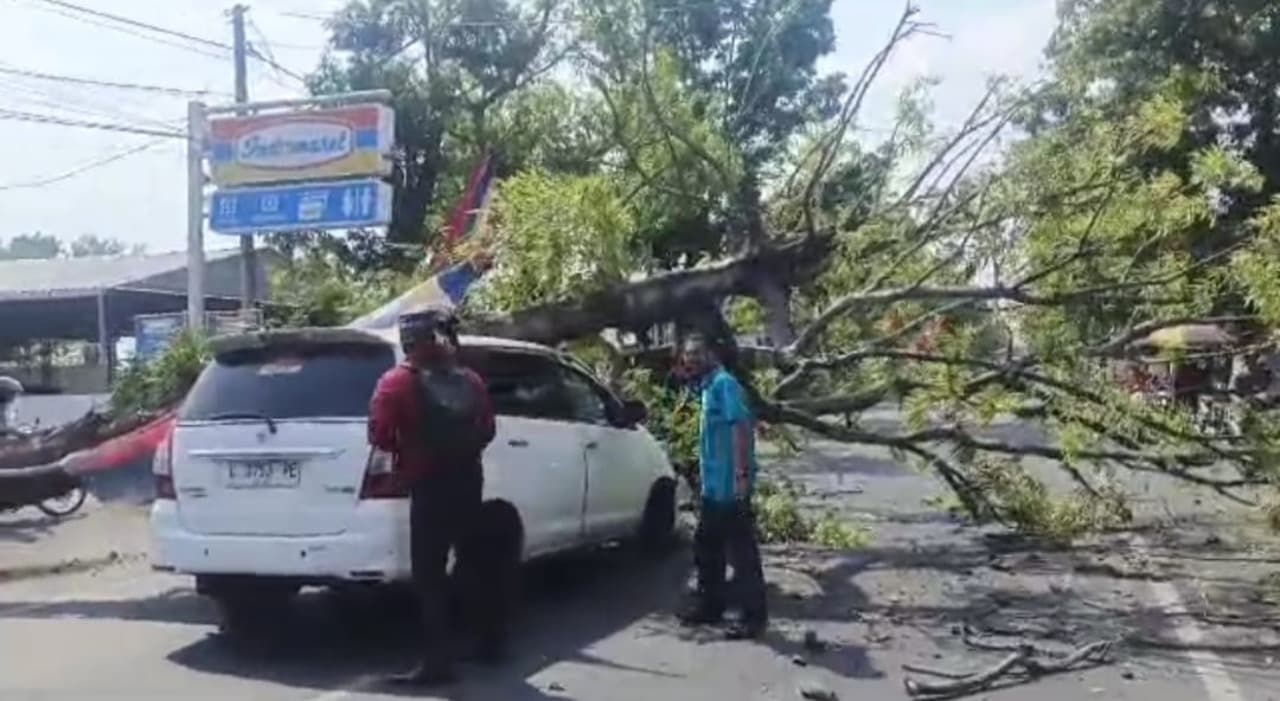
x,y
162,468
380,480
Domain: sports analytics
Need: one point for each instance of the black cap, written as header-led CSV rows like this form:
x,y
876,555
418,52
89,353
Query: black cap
x,y
422,325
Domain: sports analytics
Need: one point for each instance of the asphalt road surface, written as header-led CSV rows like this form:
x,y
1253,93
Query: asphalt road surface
x,y
1181,602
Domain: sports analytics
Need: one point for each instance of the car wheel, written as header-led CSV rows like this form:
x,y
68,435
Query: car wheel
x,y
658,525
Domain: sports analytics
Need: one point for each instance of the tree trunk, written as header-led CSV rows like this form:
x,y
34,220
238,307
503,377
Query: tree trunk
x,y
776,301
660,298
641,304
34,467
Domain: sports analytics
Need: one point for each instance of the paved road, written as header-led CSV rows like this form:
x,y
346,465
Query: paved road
x,y
599,626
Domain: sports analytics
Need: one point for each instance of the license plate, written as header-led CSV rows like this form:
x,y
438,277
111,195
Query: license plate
x,y
263,474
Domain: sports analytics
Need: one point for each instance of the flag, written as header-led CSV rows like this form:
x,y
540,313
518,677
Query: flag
x,y
468,215
444,289
448,286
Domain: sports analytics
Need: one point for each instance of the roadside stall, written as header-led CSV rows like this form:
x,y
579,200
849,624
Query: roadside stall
x,y
1193,367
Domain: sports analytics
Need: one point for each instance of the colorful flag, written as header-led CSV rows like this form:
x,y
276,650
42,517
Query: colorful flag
x,y
468,216
448,286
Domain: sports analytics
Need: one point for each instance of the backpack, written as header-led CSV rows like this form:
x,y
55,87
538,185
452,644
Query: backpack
x,y
451,403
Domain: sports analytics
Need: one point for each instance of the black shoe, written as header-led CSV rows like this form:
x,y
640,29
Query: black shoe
x,y
701,616
745,630
427,674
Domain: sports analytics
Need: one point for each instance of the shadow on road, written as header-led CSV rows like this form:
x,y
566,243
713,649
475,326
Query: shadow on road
x,y
30,526
572,603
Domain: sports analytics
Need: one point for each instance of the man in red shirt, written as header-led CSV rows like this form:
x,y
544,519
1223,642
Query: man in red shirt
x,y
435,417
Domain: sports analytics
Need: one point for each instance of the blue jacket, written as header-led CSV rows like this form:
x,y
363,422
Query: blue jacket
x,y
724,406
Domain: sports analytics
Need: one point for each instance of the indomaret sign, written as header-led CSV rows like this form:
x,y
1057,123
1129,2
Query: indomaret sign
x,y
302,146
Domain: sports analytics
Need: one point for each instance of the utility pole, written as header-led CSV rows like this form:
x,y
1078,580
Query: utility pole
x,y
195,216
248,256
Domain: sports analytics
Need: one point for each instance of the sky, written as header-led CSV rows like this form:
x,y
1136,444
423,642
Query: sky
x,y
132,187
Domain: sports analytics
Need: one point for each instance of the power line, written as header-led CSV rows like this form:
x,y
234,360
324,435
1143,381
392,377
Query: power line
x,y
16,115
107,84
106,160
303,15
270,57
43,98
137,23
271,45
74,98
164,31
133,33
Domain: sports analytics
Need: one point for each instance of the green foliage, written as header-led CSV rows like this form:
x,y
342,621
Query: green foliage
x,y
752,64
1020,499
673,416
27,246
782,519
318,289
91,245
1143,190
42,246
162,382
557,238
451,67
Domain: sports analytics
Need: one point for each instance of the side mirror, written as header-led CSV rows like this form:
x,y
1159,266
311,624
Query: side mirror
x,y
634,412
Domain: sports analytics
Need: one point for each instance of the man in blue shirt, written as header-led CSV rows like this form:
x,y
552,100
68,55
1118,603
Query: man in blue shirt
x,y
726,525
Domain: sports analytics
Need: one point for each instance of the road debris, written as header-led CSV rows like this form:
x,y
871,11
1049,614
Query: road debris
x,y
1025,662
813,643
815,691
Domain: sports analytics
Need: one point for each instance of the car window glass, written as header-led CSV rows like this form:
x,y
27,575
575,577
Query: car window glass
x,y
521,384
586,401
290,382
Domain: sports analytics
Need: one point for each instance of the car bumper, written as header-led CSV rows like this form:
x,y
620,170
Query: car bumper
x,y
374,548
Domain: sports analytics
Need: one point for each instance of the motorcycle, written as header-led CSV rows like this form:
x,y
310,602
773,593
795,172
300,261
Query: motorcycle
x,y
60,505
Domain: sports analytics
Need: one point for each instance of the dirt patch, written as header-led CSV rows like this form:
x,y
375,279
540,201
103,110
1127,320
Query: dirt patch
x,y
73,565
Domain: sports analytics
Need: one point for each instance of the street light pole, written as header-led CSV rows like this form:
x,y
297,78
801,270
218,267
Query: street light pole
x,y
248,256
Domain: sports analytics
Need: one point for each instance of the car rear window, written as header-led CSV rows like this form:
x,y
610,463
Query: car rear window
x,y
290,382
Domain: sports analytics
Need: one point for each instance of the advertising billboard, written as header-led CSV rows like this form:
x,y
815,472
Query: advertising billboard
x,y
297,146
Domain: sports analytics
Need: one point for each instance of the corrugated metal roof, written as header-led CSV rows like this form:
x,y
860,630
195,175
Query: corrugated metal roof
x,y
54,278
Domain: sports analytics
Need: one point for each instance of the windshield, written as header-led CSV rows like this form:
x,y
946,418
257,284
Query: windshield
x,y
290,382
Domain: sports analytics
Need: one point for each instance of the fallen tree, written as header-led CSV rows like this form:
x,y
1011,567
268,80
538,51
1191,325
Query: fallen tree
x,y
924,271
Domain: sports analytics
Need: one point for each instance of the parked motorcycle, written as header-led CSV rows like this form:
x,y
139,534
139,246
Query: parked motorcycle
x,y
57,506
68,499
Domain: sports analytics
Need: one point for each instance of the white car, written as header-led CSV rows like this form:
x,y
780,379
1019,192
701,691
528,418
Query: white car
x,y
268,483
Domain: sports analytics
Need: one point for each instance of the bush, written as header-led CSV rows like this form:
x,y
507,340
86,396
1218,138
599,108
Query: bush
x,y
162,382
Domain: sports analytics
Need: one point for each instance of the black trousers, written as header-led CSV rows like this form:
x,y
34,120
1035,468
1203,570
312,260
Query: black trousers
x,y
444,515
727,532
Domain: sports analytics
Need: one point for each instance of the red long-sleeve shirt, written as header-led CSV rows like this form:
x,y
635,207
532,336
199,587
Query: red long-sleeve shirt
x,y
395,413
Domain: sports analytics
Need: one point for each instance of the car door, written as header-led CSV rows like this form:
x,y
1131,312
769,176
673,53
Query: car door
x,y
536,459
617,483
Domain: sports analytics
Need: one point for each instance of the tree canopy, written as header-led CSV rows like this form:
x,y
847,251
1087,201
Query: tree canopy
x,y
688,164
40,245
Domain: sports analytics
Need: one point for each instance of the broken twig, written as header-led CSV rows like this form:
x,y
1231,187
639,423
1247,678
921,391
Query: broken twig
x,y
1026,662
